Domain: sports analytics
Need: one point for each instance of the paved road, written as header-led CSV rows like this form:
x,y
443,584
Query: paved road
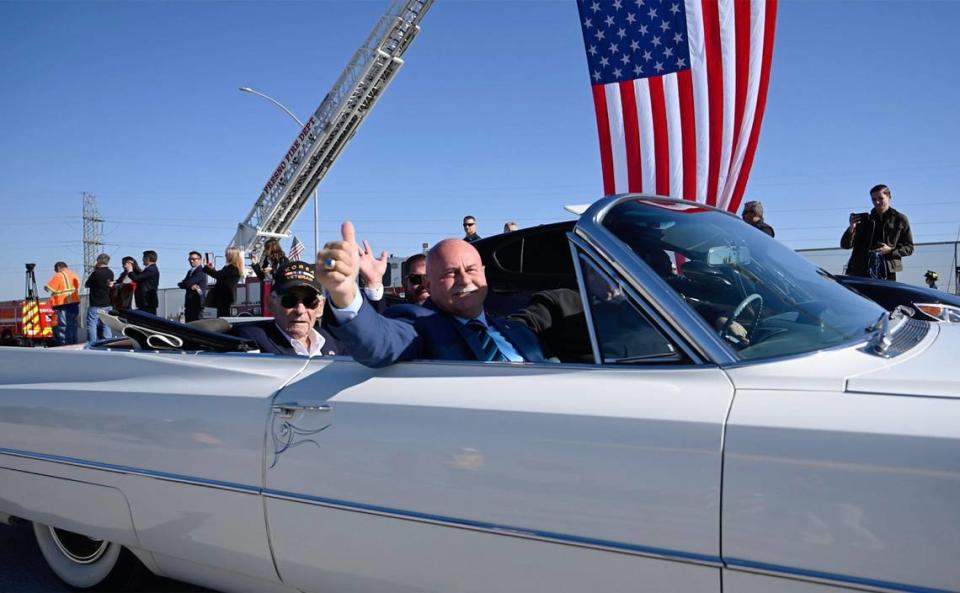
x,y
23,570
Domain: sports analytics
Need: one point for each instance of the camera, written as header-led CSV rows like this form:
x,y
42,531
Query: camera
x,y
858,217
30,267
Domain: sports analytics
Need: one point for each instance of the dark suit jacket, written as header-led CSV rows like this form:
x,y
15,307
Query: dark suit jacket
x,y
270,340
147,282
223,291
406,332
193,299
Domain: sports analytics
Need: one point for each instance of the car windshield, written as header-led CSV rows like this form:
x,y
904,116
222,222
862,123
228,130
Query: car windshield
x,y
762,298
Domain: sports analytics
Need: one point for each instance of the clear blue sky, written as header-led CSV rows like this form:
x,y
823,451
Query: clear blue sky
x,y
137,102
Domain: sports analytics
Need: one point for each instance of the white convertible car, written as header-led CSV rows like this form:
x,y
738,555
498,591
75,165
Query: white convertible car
x,y
720,416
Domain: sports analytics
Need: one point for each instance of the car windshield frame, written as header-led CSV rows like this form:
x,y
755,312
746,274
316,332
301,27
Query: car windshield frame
x,y
782,304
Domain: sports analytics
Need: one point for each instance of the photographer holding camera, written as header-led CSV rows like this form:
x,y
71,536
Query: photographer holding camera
x,y
879,238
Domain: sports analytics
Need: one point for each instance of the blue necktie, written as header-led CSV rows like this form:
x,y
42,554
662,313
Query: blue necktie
x,y
487,345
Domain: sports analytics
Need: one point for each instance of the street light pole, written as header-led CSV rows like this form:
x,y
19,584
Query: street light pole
x,y
316,192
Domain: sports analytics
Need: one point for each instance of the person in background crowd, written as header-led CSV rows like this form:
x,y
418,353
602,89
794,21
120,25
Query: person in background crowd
x,y
148,280
121,294
470,228
415,282
194,285
879,239
297,304
64,289
509,226
753,215
273,258
99,282
222,293
931,278
453,325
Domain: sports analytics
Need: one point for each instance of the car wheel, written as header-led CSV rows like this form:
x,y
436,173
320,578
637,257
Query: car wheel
x,y
86,563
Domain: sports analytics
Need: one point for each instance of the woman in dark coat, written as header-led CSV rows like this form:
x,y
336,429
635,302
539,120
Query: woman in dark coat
x,y
222,294
273,258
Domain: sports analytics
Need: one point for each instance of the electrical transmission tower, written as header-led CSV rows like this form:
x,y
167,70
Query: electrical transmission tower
x,y
92,233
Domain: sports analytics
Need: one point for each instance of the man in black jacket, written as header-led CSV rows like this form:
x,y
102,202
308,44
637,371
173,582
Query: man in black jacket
x,y
297,304
99,282
470,229
879,238
194,285
147,283
753,215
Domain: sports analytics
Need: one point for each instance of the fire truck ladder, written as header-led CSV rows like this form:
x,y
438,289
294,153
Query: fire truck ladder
x,y
332,125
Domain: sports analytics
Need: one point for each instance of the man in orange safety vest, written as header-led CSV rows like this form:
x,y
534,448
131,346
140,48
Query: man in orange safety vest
x,y
64,289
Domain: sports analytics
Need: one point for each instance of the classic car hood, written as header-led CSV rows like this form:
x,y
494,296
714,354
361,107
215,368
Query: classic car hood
x,y
930,373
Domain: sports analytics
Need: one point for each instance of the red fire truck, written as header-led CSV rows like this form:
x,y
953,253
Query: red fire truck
x,y
26,322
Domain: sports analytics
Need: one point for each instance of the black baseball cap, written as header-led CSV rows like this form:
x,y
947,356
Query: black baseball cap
x,y
293,274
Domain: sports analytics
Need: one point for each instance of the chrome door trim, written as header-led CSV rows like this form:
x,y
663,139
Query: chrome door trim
x,y
825,578
132,471
737,564
403,514
495,529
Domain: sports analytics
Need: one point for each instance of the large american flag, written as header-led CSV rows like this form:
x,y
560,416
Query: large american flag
x,y
679,88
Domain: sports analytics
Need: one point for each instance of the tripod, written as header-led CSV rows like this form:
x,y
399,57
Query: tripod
x,y
31,284
31,308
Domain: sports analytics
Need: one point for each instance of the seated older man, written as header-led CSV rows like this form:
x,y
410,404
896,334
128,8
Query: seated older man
x,y
297,303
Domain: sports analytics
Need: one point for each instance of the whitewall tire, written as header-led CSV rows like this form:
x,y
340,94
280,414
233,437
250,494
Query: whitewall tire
x,y
85,563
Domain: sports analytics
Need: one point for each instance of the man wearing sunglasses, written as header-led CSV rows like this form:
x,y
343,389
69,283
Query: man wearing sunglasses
x,y
415,282
194,285
470,229
297,303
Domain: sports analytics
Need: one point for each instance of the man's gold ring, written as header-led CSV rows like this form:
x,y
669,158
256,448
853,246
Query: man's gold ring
x,y
329,263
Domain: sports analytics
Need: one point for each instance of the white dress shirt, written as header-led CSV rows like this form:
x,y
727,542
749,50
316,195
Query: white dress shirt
x,y
316,343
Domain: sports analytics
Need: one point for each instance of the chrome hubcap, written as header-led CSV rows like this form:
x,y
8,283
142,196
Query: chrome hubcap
x,y
78,548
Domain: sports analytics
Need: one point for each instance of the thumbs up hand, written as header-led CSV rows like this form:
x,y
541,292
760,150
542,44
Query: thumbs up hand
x,y
338,264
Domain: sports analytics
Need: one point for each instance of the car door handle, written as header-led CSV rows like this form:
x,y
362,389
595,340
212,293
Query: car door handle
x,y
289,410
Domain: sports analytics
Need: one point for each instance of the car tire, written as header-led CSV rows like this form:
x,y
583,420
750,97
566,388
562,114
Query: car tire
x,y
87,564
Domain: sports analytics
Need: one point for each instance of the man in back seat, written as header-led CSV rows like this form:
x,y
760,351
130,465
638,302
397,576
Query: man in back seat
x,y
297,303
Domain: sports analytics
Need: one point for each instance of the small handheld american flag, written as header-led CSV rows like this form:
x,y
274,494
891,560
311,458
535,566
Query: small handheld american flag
x,y
679,88
296,249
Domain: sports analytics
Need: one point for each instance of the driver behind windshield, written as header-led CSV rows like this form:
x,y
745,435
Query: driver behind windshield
x,y
705,289
730,275
297,303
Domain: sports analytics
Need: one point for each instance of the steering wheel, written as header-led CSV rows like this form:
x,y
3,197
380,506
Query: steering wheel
x,y
725,330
